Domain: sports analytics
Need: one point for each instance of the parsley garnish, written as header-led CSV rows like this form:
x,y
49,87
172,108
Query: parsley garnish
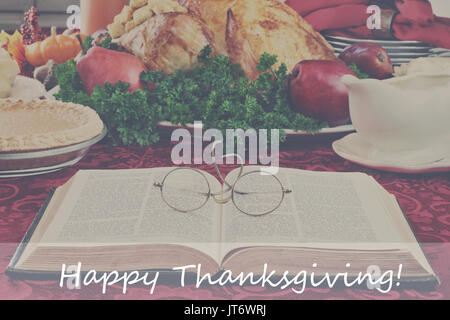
x,y
87,44
128,116
216,92
106,43
359,73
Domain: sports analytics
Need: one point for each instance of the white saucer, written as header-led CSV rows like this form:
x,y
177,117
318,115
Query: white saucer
x,y
357,150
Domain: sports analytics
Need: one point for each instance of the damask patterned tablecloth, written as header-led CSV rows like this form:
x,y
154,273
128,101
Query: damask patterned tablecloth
x,y
424,198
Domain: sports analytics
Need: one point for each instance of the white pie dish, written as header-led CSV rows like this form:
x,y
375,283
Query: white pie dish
x,y
20,164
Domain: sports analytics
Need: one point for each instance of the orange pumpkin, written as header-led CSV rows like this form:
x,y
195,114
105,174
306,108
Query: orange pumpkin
x,y
59,48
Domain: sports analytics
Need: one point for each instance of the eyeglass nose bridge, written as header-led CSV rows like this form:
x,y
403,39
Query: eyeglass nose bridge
x,y
219,173
221,201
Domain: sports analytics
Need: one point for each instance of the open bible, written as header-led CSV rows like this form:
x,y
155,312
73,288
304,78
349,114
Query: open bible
x,y
117,220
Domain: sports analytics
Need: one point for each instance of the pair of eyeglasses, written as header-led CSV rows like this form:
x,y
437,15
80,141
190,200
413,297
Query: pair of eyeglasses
x,y
254,193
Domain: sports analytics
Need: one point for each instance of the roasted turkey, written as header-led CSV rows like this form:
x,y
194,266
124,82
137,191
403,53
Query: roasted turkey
x,y
241,29
169,41
245,29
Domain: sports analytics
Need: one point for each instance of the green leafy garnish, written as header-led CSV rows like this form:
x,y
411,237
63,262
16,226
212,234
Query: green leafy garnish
x,y
106,43
216,92
87,44
359,73
128,116
266,62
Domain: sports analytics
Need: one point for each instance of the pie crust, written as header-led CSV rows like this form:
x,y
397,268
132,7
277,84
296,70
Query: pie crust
x,y
45,124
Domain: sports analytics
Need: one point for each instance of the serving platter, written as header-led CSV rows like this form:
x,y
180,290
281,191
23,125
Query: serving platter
x,y
325,131
14,164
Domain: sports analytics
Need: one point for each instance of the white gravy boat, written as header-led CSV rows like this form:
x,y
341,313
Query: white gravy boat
x,y
406,117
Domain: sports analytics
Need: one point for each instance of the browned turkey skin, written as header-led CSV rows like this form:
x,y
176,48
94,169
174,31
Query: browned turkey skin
x,y
240,29
169,41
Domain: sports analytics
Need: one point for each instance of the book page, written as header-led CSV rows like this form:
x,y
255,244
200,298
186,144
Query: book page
x,y
324,210
409,240
123,207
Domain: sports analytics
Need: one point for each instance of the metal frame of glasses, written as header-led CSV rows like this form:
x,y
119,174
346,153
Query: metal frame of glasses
x,y
254,193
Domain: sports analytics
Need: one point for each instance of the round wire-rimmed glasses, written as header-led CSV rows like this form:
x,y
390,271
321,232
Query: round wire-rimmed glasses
x,y
254,193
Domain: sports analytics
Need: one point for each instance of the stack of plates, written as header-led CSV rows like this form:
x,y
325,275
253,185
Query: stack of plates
x,y
399,51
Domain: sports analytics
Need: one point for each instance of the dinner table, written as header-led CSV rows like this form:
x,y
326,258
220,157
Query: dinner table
x,y
424,198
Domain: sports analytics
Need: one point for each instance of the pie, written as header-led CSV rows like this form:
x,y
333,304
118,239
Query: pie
x,y
45,124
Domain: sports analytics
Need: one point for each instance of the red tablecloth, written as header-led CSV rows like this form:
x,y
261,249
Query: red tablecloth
x,y
424,198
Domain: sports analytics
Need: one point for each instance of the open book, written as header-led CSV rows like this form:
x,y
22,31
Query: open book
x,y
116,220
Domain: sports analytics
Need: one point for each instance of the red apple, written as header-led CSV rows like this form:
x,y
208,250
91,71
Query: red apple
x,y
101,65
370,58
316,90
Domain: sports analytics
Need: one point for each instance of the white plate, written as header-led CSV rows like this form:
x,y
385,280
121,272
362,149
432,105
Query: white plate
x,y
400,52
356,150
402,60
440,52
384,43
289,132
396,49
395,61
401,55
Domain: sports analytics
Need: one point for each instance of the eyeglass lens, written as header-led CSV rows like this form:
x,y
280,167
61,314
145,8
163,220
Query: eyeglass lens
x,y
185,190
257,193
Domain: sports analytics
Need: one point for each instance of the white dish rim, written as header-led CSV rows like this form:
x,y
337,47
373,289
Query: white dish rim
x,y
437,166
